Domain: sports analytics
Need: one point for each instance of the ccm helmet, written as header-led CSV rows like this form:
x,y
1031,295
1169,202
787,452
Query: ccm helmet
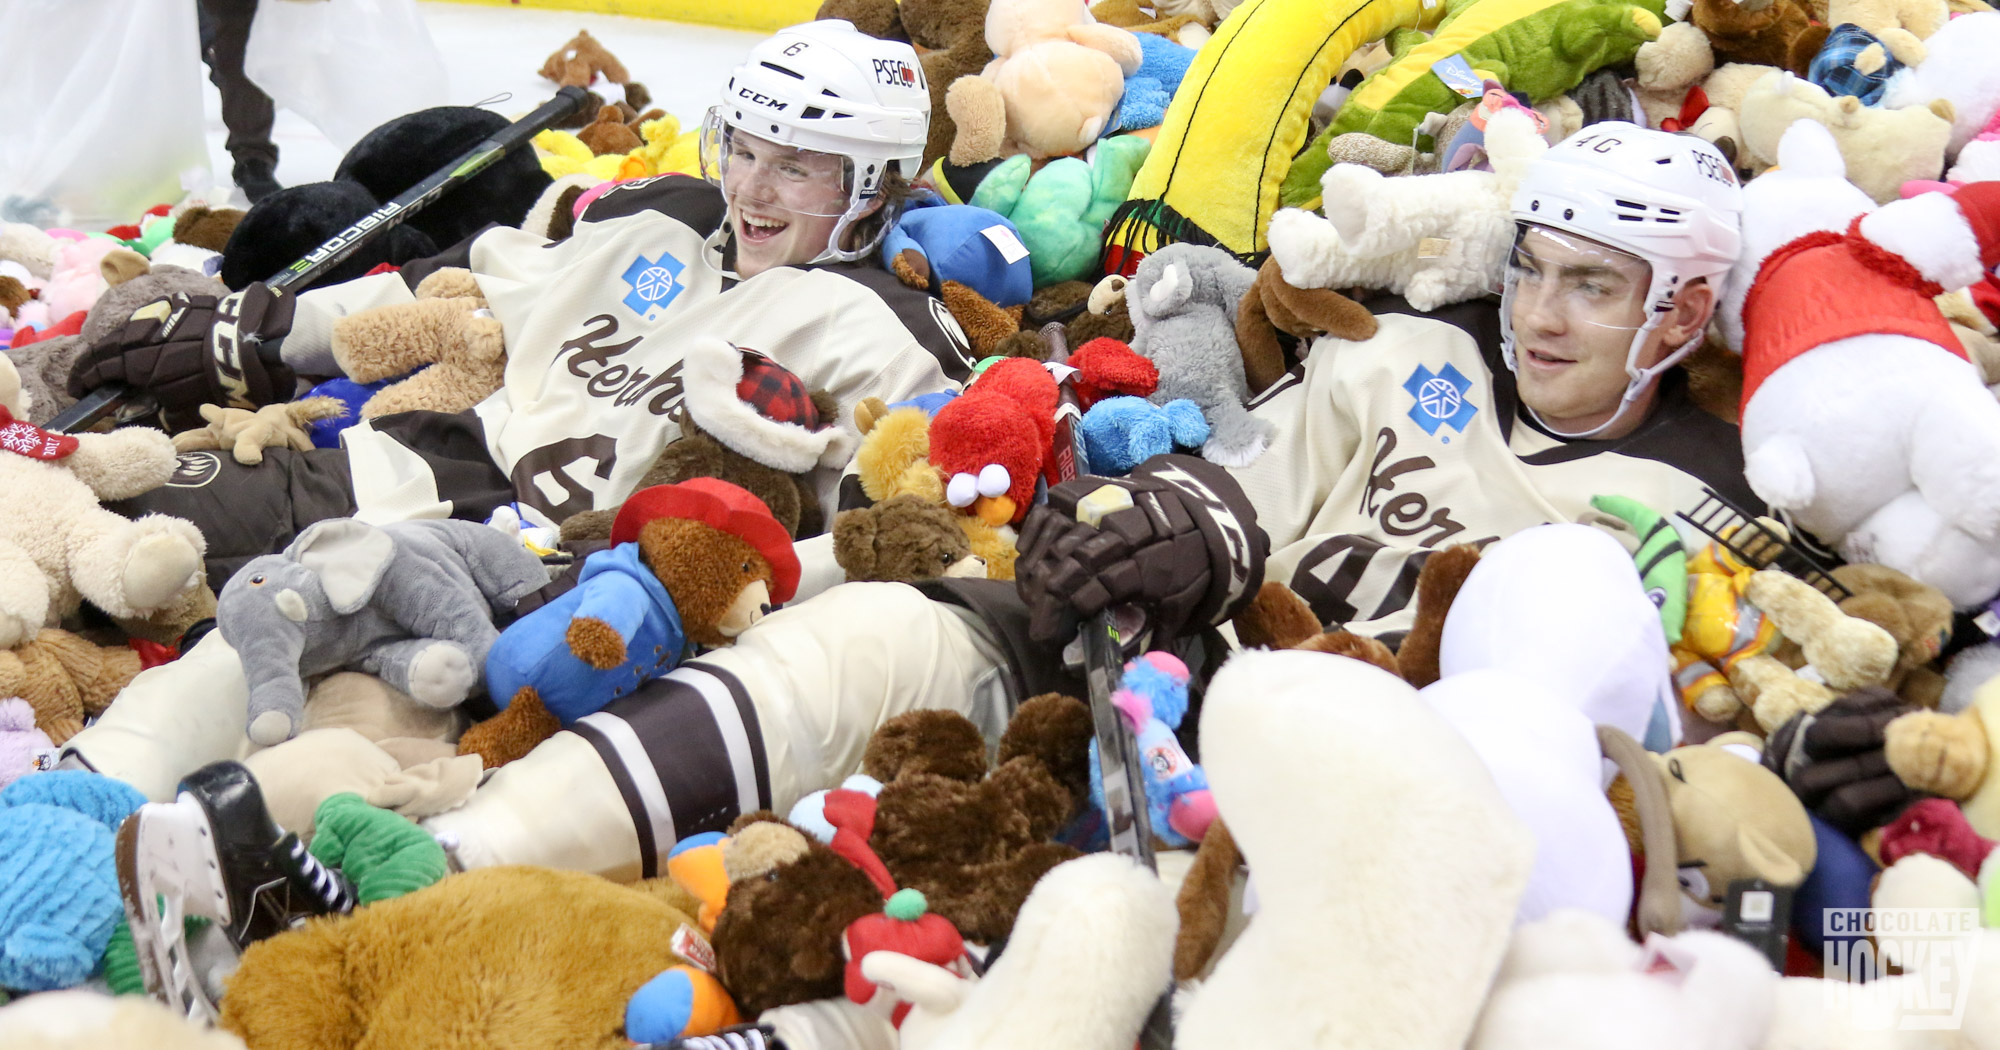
x,y
826,87
1671,200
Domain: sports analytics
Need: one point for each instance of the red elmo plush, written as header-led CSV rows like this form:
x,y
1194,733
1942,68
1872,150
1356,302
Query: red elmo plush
x,y
990,442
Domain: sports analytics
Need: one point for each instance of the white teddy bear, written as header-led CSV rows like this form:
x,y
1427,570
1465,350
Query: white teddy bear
x,y
1862,417
1434,239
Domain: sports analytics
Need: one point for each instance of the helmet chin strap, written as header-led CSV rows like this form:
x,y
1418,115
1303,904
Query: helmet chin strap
x,y
1640,380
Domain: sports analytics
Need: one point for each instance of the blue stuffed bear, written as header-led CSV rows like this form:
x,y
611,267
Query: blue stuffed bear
x,y
1120,433
59,876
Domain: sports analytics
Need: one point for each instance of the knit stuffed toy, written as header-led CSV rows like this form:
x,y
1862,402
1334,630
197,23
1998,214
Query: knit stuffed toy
x,y
58,879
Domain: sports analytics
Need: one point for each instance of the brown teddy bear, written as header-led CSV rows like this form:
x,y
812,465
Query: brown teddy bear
x,y
508,956
710,560
205,227
903,539
578,64
1952,756
950,38
1917,615
447,328
1778,33
766,445
65,677
973,846
894,460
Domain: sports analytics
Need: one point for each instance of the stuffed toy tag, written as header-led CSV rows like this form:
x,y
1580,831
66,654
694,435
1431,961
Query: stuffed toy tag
x,y
26,439
689,944
1457,75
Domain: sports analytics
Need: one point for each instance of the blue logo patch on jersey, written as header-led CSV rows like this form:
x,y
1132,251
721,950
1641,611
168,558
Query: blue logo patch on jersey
x,y
654,283
1441,399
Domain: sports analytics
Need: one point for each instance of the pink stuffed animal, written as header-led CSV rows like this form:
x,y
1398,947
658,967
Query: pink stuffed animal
x,y
78,279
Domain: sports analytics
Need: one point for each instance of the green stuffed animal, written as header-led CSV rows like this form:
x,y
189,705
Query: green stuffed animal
x,y
1061,210
1537,48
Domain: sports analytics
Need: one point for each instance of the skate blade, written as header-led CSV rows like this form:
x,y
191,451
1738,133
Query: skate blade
x,y
167,872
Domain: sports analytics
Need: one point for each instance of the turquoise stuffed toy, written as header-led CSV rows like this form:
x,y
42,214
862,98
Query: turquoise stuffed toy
x,y
58,876
1150,88
1120,433
1061,210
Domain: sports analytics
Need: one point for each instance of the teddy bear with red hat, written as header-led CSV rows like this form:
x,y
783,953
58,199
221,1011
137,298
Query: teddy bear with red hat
x,y
691,565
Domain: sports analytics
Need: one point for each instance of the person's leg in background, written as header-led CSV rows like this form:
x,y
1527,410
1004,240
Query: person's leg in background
x,y
246,110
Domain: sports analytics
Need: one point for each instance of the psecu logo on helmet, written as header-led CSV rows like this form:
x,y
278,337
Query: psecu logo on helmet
x,y
897,73
1441,400
654,283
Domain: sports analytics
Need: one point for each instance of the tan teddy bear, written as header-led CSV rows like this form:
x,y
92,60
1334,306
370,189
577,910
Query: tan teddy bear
x,y
59,548
1952,756
447,328
1883,148
1053,87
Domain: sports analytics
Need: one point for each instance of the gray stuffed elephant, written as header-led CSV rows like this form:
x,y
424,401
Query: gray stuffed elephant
x,y
1183,302
411,602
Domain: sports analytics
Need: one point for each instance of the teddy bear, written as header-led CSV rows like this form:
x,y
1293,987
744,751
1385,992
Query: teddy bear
x,y
1731,819
1778,33
950,37
1184,300
1917,615
447,328
1950,755
1185,29
904,539
61,548
579,63
1901,25
1959,69
1275,305
1882,148
894,460
1054,83
65,678
690,565
478,952
767,445
972,841
1927,505
1435,239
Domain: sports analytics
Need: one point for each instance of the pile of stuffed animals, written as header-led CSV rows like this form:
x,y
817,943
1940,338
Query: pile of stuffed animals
x,y
1174,198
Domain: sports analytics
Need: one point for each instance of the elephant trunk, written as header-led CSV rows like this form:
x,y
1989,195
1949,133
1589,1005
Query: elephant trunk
x,y
270,659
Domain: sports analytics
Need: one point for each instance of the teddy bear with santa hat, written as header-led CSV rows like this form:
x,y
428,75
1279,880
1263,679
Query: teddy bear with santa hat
x,y
1863,421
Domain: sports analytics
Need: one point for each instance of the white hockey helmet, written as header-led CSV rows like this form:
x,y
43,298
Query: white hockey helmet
x,y
1671,200
828,88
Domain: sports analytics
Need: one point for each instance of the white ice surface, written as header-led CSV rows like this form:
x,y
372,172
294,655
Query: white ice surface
x,y
491,50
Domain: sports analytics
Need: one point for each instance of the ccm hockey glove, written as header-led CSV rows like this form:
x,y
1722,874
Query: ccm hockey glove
x,y
1187,551
187,350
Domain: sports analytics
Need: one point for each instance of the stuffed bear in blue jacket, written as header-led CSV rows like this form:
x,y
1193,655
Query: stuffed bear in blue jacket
x,y
691,565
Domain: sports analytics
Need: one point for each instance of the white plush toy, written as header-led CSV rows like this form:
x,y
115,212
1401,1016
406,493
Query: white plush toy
x,y
1434,239
1090,954
1574,980
1960,69
1388,866
1862,417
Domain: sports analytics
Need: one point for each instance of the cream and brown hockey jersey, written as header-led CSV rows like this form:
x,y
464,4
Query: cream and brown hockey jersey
x,y
1415,440
596,326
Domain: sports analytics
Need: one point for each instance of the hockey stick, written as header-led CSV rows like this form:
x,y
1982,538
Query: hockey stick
x,y
317,263
1125,817
1129,825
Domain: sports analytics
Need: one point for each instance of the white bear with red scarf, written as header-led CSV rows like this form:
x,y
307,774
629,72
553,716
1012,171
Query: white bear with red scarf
x,y
1862,418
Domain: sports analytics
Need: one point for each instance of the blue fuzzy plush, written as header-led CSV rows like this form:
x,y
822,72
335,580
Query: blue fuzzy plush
x,y
326,432
1120,433
1150,89
58,876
